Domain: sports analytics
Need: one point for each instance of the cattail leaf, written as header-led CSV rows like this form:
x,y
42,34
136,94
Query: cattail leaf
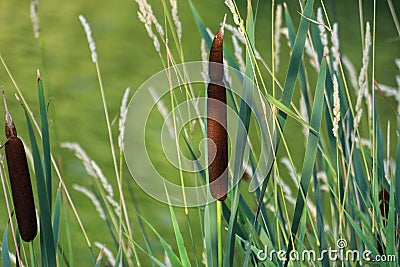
x,y
171,254
56,220
286,110
397,178
5,256
152,258
295,60
360,179
360,233
391,229
45,141
302,73
179,239
211,234
310,154
118,258
47,239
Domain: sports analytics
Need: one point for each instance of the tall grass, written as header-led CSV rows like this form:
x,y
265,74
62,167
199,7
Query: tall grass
x,y
328,199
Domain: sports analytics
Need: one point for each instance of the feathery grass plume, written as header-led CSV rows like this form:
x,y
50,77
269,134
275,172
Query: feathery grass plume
x,y
89,37
311,54
238,53
204,59
304,114
175,18
351,70
363,79
336,106
277,35
34,14
335,46
122,118
163,111
236,19
90,165
107,252
217,121
114,204
92,197
322,31
21,187
234,31
146,16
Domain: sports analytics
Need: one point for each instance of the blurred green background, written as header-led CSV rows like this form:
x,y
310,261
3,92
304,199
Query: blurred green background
x,y
127,58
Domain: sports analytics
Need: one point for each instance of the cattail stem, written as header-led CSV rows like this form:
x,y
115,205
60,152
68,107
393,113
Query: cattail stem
x,y
21,186
217,121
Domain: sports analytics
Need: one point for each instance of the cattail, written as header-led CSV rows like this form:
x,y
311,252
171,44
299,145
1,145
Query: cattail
x,y
21,187
217,121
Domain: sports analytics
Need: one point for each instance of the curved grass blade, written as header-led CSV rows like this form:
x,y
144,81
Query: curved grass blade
x,y
45,140
56,220
47,239
211,234
5,256
179,239
118,258
310,154
397,177
295,60
171,254
360,233
302,73
244,115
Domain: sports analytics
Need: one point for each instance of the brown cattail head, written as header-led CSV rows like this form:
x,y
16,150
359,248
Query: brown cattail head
x,y
216,59
21,187
217,122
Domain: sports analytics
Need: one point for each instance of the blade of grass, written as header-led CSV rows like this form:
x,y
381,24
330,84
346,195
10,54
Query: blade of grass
x,y
5,256
211,234
45,140
171,254
56,220
390,229
244,115
47,247
397,176
310,154
179,239
360,233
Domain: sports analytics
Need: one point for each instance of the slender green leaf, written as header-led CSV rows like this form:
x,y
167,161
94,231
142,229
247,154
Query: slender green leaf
x,y
390,229
360,233
45,141
179,239
118,258
211,234
397,178
171,254
47,244
310,154
295,60
56,220
5,256
302,73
